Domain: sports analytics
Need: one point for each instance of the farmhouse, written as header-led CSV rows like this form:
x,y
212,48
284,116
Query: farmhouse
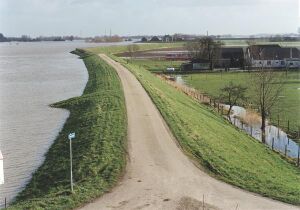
x,y
273,56
231,57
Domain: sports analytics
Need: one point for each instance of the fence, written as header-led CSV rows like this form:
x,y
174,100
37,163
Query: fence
x,y
220,108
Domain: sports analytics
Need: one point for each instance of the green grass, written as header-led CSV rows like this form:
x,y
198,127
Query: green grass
x,y
288,104
156,65
227,153
99,119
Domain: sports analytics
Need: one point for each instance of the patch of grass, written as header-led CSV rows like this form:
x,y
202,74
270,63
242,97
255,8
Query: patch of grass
x,y
288,104
226,152
157,65
99,119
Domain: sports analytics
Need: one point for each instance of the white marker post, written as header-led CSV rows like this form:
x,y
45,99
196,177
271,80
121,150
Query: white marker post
x,y
71,136
1,169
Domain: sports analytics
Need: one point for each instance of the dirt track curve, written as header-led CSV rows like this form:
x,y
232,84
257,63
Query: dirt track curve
x,y
158,174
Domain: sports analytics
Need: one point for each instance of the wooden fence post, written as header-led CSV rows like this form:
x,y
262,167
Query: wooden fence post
x,y
285,150
298,155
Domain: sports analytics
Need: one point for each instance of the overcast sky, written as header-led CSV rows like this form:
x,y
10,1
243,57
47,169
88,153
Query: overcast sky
x,y
133,17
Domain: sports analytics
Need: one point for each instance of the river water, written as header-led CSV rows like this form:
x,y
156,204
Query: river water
x,y
32,76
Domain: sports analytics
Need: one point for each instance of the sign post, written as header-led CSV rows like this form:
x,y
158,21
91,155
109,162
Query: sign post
x,y
71,136
1,169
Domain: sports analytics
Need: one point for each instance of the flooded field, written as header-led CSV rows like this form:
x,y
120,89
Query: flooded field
x,y
32,76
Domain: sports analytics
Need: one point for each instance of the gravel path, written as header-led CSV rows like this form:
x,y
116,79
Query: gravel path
x,y
158,174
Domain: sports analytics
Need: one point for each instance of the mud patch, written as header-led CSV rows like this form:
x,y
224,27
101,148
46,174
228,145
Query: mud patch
x,y
188,203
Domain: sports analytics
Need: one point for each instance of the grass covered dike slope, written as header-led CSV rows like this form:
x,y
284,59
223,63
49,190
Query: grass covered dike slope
x,y
223,150
99,119
287,106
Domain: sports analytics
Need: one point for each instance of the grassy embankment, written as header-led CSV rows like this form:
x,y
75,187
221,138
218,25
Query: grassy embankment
x,y
287,107
210,83
225,152
99,119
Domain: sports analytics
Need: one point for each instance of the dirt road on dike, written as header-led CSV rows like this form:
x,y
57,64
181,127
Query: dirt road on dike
x,y
158,174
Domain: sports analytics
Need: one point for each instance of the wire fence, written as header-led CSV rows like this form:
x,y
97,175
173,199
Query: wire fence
x,y
222,110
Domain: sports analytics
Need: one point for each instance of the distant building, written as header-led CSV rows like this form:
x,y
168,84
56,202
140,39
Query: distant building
x,y
274,56
155,39
144,39
167,38
231,57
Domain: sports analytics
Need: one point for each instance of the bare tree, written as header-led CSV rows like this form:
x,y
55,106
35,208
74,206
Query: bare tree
x,y
267,86
205,48
131,49
232,94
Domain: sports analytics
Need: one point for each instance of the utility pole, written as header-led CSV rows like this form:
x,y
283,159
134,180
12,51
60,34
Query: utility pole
x,y
71,136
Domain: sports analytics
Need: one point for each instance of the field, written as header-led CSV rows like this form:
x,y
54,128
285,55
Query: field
x,y
287,107
123,48
99,119
220,148
156,65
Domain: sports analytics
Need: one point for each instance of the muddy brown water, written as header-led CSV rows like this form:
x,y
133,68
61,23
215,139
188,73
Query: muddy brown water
x,y
32,76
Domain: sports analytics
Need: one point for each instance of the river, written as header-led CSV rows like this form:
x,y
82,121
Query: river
x,y
32,76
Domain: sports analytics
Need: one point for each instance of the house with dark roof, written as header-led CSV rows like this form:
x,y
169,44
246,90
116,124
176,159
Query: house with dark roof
x,y
273,56
231,57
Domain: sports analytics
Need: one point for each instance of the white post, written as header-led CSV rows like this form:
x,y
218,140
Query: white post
x,y
71,136
1,169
